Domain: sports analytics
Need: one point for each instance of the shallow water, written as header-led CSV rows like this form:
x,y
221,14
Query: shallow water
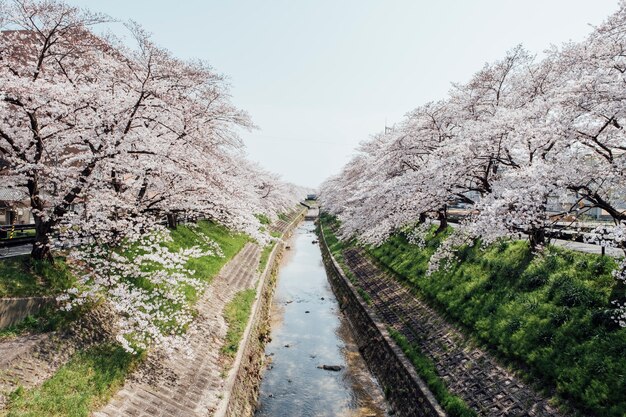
x,y
308,331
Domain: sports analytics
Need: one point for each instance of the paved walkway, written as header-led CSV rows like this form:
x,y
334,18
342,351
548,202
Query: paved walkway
x,y
10,251
190,386
468,371
586,247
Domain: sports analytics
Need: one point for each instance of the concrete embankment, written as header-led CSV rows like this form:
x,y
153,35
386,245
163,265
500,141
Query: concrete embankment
x,y
14,310
406,392
242,384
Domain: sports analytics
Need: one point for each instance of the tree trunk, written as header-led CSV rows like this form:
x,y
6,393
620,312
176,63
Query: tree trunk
x,y
422,218
442,216
171,220
41,247
43,228
537,238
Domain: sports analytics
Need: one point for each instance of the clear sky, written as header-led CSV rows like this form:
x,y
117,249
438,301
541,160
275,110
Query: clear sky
x,y
319,76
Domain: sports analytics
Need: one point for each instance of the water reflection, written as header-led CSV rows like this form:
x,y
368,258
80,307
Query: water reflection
x,y
308,331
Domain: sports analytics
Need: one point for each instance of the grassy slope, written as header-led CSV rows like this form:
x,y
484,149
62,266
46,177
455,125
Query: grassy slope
x,y
90,377
206,267
22,276
87,381
550,315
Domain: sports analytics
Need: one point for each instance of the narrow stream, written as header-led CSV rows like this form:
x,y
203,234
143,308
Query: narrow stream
x,y
308,331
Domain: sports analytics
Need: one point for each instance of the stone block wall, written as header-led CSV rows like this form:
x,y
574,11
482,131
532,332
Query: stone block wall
x,y
405,391
14,310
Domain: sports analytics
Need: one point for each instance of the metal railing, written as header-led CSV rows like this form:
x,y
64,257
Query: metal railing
x,y
17,234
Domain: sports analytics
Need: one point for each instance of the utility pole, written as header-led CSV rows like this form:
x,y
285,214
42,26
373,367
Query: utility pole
x,y
387,128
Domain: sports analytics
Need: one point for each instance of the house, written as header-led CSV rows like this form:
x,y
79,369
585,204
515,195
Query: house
x,y
14,207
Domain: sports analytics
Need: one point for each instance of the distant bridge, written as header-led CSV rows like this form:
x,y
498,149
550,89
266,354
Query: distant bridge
x,y
313,213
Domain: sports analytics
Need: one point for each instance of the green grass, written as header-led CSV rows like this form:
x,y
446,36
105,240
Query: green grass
x,y
28,324
452,404
549,315
87,381
22,276
265,255
263,218
236,314
364,295
206,267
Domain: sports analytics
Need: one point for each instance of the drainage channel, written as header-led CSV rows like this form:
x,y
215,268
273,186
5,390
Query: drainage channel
x,y
313,364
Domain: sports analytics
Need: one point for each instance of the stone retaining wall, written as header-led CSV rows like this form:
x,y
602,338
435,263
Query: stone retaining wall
x,y
405,391
243,382
14,310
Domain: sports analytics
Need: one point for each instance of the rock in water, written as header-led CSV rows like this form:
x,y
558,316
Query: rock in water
x,y
335,368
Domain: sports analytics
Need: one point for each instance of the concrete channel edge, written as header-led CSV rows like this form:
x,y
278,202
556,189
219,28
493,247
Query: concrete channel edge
x,y
243,380
404,389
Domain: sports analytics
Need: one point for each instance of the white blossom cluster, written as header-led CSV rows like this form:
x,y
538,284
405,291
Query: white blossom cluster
x,y
143,281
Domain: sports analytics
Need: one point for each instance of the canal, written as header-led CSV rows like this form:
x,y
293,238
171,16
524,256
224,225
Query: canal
x,y
308,332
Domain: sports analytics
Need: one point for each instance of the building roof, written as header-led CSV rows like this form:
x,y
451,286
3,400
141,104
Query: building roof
x,y
13,194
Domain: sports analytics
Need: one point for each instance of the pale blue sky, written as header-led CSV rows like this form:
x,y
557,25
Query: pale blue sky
x,y
320,76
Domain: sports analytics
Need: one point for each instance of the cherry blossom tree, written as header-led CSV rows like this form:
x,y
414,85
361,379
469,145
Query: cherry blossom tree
x,y
109,140
524,144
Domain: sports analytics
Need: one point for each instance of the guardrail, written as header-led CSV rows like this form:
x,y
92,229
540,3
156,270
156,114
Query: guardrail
x,y
15,235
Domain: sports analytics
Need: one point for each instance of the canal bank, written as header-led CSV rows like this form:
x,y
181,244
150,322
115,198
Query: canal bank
x,y
241,388
407,394
313,365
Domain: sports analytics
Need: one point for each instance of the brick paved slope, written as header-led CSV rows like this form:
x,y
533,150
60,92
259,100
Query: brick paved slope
x,y
21,365
281,226
191,386
468,371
